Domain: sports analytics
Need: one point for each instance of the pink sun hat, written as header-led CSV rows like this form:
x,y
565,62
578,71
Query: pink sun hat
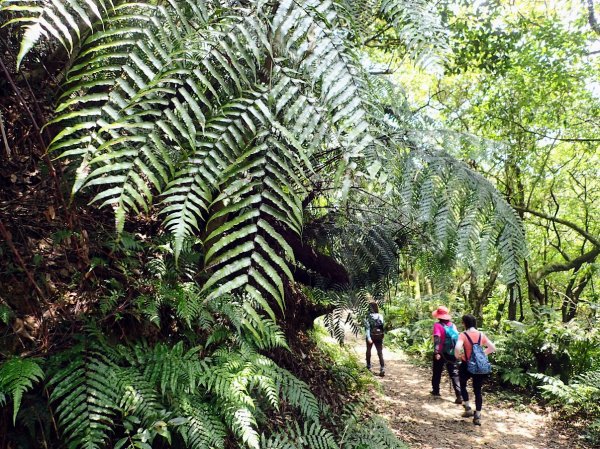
x,y
441,313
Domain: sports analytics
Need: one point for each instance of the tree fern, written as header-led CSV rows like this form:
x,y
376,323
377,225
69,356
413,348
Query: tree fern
x,y
17,376
464,211
220,112
417,24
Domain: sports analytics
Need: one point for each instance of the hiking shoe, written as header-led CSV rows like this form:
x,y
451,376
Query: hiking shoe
x,y
435,395
458,401
467,413
382,372
477,419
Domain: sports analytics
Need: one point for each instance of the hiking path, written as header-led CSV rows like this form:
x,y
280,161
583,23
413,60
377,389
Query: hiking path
x,y
425,422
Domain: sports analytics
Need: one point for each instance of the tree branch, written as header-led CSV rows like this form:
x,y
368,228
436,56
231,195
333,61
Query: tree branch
x,y
376,35
8,239
594,240
588,257
592,17
560,139
326,266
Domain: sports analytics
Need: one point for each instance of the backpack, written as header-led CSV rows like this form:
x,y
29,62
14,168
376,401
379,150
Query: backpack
x,y
478,363
376,328
450,339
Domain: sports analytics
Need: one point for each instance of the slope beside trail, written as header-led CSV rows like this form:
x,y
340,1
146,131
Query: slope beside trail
x,y
424,422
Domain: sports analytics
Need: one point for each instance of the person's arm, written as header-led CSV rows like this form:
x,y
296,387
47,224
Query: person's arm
x,y
489,346
368,330
437,342
459,348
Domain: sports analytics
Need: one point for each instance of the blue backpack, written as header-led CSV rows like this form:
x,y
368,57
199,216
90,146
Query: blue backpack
x,y
478,363
450,339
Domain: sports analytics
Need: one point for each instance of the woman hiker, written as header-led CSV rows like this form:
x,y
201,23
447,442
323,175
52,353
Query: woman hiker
x,y
464,347
374,336
445,336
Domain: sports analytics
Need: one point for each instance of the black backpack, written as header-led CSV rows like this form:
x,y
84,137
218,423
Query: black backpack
x,y
376,328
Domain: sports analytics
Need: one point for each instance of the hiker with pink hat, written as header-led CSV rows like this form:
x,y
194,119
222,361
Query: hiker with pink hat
x,y
445,336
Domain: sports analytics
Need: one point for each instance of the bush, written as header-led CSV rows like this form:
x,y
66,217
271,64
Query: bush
x,y
550,348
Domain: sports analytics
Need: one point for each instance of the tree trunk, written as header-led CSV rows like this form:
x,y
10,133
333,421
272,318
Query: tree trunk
x,y
512,303
572,294
428,287
535,295
417,282
500,312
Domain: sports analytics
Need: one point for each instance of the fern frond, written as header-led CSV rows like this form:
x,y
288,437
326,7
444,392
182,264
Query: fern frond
x,y
170,368
307,30
85,398
372,433
297,394
202,428
138,396
418,26
17,376
311,436
465,212
63,21
263,333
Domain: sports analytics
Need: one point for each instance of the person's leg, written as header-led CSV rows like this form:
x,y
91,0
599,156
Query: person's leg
x,y
452,368
436,377
463,376
477,384
369,346
379,347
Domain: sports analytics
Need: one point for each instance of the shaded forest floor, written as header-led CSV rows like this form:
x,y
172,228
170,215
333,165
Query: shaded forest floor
x,y
424,422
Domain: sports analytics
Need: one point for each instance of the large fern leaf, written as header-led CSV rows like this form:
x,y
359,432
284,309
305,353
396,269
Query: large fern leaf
x,y
18,375
85,398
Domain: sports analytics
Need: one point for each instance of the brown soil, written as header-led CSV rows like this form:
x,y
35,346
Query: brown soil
x,y
424,422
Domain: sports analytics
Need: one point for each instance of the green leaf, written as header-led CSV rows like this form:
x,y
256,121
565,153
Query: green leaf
x,y
32,35
18,376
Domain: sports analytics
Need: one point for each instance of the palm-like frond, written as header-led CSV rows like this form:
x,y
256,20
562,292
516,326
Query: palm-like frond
x,y
85,398
372,433
163,100
417,24
220,112
296,437
16,377
462,211
224,117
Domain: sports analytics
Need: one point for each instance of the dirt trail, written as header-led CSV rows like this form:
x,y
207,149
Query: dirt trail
x,y
428,423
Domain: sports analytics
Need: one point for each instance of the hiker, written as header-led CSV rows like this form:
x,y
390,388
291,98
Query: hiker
x,y
445,336
374,335
463,351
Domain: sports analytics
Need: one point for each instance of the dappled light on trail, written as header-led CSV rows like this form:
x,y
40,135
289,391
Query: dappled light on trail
x,y
424,422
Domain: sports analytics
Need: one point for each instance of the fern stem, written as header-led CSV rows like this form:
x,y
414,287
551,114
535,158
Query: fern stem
x,y
54,425
9,241
38,134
